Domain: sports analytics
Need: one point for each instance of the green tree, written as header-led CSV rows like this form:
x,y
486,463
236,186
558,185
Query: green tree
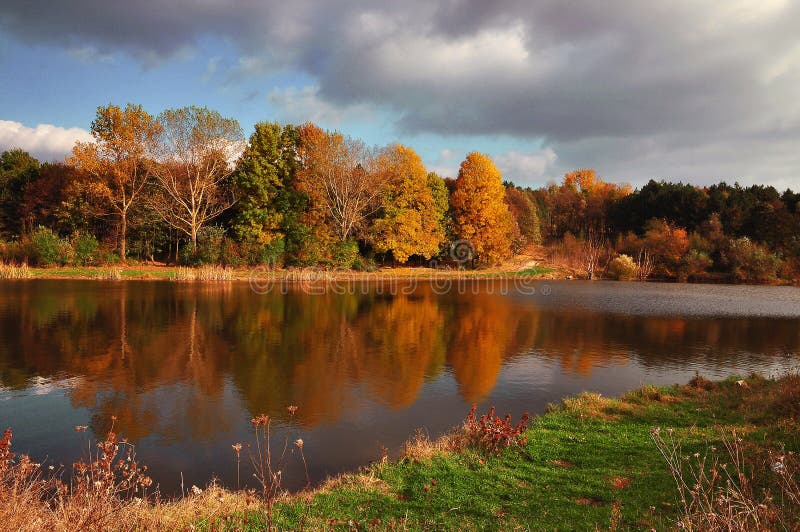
x,y
269,206
17,170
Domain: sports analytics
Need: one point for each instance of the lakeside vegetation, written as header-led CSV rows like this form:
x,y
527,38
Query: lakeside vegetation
x,y
186,188
705,455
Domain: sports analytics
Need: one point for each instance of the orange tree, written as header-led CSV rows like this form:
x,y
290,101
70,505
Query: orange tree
x,y
481,214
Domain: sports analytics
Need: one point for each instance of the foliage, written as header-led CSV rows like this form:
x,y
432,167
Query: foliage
x,y
337,174
117,164
480,212
345,254
525,213
623,268
17,170
491,433
269,206
84,248
694,264
751,262
47,249
667,243
409,221
147,184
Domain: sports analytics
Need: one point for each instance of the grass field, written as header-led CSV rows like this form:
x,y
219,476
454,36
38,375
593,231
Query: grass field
x,y
589,463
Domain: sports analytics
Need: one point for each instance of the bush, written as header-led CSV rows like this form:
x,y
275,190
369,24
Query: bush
x,y
623,268
345,254
269,254
230,254
84,248
751,262
364,264
695,263
491,433
47,249
209,244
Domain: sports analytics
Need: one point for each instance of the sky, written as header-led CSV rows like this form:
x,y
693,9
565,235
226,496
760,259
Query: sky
x,y
696,91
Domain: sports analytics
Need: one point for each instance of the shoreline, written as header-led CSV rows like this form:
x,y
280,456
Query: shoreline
x,y
147,272
588,462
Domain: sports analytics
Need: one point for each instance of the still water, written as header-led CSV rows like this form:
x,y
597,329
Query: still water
x,y
184,367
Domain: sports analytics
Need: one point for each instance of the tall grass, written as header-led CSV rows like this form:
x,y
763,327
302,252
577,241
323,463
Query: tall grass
x,y
13,271
109,489
205,273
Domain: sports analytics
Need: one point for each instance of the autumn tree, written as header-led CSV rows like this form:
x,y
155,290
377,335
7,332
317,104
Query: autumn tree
x,y
269,206
481,214
409,221
337,174
117,162
194,167
667,243
525,213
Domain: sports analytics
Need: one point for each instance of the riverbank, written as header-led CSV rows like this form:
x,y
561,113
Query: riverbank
x,y
589,463
149,272
260,274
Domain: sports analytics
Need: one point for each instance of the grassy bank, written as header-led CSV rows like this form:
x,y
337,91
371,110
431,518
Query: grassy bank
x,y
589,463
219,273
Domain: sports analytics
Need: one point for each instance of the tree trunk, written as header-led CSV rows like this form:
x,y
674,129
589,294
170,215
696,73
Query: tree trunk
x,y
123,230
194,241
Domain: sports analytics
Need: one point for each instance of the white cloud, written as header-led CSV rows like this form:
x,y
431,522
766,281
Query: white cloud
x,y
533,168
300,105
46,142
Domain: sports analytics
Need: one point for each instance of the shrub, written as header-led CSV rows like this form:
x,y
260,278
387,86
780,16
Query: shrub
x,y
623,267
269,254
492,433
751,262
345,254
695,263
47,249
364,264
84,247
209,244
230,254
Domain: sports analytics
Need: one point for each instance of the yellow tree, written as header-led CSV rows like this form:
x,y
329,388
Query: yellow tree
x,y
116,163
481,214
409,222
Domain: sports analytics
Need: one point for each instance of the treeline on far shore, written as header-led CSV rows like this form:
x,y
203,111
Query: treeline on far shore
x,y
186,187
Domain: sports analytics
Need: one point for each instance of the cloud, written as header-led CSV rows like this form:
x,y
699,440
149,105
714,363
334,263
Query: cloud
x,y
673,86
300,105
524,169
45,142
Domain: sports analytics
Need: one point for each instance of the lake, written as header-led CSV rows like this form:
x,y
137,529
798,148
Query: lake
x,y
185,366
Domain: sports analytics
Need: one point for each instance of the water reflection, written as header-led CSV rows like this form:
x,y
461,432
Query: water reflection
x,y
182,365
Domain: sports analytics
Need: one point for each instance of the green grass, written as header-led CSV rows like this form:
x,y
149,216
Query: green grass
x,y
583,458
536,270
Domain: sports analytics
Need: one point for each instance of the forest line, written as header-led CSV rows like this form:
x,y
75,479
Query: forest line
x,y
187,187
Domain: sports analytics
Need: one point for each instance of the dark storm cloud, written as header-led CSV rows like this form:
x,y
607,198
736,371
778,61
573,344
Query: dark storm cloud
x,y
645,80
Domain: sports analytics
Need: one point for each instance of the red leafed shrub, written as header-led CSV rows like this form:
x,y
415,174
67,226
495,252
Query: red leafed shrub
x,y
492,433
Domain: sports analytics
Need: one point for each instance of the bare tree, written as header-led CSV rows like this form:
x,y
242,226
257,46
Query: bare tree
x,y
644,264
195,155
337,172
593,248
